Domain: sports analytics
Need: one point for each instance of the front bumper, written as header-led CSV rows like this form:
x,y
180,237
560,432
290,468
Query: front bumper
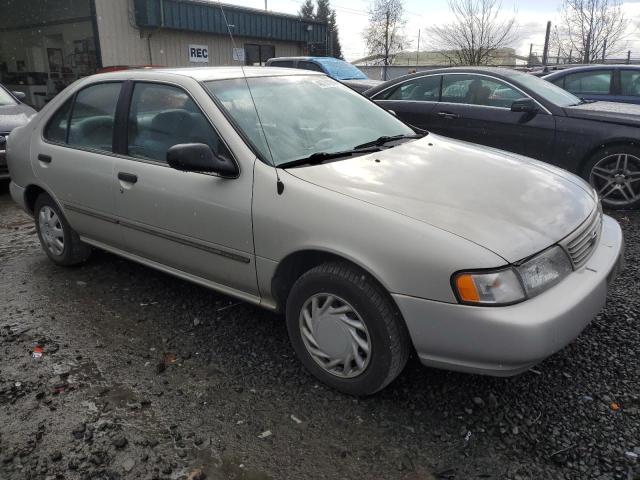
x,y
508,340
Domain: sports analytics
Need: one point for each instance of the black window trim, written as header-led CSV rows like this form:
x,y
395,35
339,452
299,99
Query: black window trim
x,y
73,98
122,116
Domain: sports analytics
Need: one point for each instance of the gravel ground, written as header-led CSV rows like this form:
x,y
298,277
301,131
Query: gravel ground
x,y
146,376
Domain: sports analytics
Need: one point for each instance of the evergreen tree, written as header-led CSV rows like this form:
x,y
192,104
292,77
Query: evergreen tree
x,y
307,10
333,31
323,11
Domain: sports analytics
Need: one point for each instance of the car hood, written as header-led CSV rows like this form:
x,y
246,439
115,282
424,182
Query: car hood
x,y
622,113
511,205
12,116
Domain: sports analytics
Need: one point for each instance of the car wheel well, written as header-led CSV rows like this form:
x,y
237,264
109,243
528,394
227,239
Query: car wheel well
x,y
296,264
31,194
624,143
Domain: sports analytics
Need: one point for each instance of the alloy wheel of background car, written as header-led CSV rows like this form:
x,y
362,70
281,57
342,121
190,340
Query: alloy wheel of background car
x,y
335,335
59,241
616,177
346,329
51,230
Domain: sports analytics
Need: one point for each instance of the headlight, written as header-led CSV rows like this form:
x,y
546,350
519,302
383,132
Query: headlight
x,y
513,284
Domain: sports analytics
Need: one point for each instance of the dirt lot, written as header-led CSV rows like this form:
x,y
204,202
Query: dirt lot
x,y
146,376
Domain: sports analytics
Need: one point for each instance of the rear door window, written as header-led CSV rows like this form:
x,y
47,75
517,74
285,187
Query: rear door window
x,y
161,116
310,66
423,89
282,64
93,116
589,83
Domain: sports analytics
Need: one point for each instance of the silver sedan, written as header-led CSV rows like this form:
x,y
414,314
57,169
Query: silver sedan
x,y
288,190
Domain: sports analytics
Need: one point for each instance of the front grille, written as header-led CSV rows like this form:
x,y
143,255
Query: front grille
x,y
582,242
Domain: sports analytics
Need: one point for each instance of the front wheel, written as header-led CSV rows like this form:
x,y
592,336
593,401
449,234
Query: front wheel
x,y
346,330
615,174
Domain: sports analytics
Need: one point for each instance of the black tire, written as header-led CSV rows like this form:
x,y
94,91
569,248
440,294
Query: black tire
x,y
615,200
389,340
74,251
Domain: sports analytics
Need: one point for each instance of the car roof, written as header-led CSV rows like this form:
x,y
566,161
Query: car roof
x,y
500,72
202,74
588,68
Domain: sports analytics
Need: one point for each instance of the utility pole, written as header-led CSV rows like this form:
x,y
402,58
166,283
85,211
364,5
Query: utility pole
x,y
558,57
628,57
418,52
530,62
545,52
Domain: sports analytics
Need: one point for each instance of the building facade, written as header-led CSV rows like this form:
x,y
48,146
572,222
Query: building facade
x,y
47,44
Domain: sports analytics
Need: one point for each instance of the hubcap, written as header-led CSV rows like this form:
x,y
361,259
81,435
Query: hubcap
x,y
51,230
617,179
335,335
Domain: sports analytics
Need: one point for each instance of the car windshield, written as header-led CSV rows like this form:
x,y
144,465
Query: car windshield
x,y
303,114
341,70
6,98
548,91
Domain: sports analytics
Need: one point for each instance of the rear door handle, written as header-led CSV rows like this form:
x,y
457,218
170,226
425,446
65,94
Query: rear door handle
x,y
127,177
44,158
448,115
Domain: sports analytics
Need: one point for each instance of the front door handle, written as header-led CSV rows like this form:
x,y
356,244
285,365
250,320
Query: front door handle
x,y
44,158
127,177
448,115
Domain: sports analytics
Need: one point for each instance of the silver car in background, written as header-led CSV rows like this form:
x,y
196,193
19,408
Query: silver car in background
x,y
288,190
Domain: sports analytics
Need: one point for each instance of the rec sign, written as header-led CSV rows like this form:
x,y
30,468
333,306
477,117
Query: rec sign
x,y
198,54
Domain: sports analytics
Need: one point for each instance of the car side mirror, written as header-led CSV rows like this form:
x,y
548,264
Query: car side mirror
x,y
20,96
525,105
198,157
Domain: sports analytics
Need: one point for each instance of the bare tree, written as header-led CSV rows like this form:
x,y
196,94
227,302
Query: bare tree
x,y
477,31
384,36
591,28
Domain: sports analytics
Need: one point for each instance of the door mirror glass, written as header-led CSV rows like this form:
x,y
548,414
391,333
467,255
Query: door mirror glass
x,y
20,96
524,105
198,157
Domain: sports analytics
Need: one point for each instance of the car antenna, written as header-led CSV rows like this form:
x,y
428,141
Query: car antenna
x,y
279,184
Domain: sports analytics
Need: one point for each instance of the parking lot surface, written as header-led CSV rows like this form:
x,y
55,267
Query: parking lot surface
x,y
112,370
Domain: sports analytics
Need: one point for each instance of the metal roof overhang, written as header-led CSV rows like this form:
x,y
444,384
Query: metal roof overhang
x,y
207,17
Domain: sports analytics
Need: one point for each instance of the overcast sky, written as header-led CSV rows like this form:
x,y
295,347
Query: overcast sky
x,y
531,15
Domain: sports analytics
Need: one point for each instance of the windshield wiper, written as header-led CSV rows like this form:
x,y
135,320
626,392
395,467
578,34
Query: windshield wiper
x,y
319,157
380,141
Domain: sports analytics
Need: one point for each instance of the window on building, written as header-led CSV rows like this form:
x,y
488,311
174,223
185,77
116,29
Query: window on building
x,y
630,82
258,54
93,115
425,89
56,129
161,116
587,83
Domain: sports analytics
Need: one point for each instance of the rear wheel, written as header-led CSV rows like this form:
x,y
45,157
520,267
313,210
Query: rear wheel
x,y
59,241
615,174
346,330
